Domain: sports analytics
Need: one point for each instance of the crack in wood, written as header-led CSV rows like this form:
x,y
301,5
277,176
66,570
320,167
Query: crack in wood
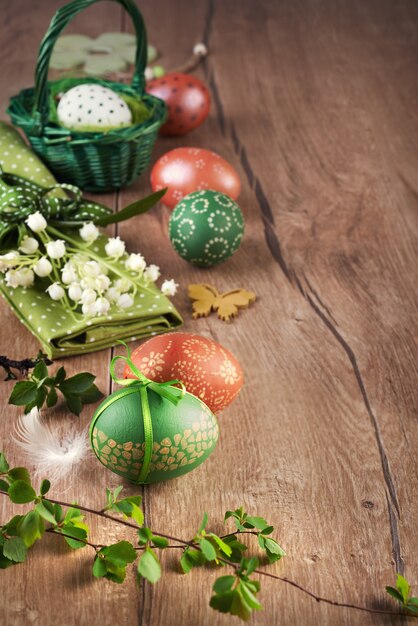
x,y
318,299
273,244
396,547
352,358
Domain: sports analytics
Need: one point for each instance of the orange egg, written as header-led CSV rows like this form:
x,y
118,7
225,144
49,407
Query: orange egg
x,y
206,368
184,170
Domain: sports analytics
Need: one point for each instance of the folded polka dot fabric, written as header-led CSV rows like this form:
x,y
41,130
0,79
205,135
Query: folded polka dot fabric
x,y
64,330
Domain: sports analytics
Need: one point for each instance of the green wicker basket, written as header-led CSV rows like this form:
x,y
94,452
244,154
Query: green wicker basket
x,y
94,161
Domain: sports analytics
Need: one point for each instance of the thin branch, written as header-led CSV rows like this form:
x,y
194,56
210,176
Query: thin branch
x,y
183,543
21,366
95,546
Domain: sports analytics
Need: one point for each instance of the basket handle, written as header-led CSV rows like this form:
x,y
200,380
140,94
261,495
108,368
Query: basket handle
x,y
60,20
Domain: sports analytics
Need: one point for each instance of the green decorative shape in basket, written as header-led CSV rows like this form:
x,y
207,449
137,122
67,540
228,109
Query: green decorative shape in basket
x,y
94,161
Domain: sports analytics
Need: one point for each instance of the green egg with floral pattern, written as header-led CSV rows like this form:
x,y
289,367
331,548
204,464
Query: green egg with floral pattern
x,y
184,434
206,227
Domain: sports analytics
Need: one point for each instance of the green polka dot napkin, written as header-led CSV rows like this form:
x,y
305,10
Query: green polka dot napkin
x,y
60,331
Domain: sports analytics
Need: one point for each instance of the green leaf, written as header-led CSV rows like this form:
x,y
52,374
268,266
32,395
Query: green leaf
x,y
237,547
204,522
40,371
223,602
144,535
15,549
273,550
117,491
79,383
224,547
130,508
4,466
159,542
52,398
99,567
30,528
20,492
41,394
191,558
255,522
45,486
223,584
207,549
75,534
45,513
73,402
58,513
149,566
23,392
73,514
250,565
403,586
267,530
4,485
4,562
394,593
19,473
60,375
93,394
115,559
249,596
412,605
121,553
136,208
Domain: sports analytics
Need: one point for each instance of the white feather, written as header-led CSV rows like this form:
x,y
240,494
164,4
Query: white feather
x,y
53,456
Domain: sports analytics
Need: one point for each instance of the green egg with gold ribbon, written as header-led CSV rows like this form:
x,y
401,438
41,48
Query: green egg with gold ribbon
x,y
149,432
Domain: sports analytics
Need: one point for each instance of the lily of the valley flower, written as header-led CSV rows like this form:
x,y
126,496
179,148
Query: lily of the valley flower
x,y
125,301
92,268
55,291
135,263
8,260
56,249
75,292
88,296
29,245
68,274
42,267
89,232
169,287
115,247
89,308
36,222
152,273
101,306
20,278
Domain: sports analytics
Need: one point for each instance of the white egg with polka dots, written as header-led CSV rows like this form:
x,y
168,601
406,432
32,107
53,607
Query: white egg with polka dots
x,y
91,105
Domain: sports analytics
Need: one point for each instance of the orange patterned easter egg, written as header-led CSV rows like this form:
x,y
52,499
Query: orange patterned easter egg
x,y
206,368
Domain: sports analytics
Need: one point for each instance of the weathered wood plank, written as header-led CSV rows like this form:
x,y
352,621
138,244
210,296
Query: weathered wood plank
x,y
312,103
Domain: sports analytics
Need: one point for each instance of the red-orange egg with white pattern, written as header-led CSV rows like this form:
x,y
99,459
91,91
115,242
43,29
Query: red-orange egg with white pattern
x,y
184,170
207,369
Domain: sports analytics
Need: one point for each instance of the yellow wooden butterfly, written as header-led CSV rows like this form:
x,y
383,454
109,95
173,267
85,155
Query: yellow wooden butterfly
x,y
207,298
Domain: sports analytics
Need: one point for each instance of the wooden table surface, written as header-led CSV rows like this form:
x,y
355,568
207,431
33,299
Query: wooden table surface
x,y
315,104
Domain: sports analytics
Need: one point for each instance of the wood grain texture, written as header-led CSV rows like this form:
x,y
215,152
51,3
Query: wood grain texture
x,y
315,104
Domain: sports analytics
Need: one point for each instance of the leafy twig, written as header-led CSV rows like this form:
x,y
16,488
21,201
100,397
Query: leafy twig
x,y
21,366
234,593
41,388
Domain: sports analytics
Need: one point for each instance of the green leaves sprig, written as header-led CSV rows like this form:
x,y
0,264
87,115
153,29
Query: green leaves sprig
x,y
41,388
402,593
259,527
234,593
237,594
